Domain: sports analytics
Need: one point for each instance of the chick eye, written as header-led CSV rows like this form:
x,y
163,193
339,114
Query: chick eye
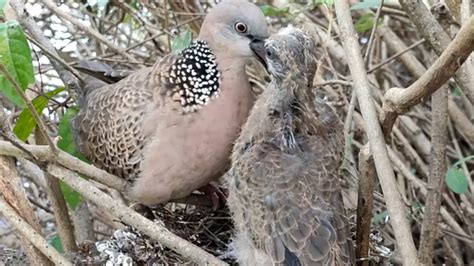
x,y
268,53
240,27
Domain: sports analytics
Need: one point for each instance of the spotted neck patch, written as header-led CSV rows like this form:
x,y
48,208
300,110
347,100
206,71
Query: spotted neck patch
x,y
195,76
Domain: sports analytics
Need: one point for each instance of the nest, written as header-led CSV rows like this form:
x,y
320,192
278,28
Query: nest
x,y
208,229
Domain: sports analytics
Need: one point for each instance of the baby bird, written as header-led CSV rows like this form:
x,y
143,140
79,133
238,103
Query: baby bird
x,y
284,191
170,128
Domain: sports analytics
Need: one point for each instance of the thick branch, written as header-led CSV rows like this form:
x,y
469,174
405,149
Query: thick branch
x,y
374,132
416,68
31,234
439,40
67,161
397,100
125,214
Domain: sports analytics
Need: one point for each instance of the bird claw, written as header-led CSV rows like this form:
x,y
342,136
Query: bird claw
x,y
216,194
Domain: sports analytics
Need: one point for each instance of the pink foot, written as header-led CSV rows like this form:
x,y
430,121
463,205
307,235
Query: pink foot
x,y
216,193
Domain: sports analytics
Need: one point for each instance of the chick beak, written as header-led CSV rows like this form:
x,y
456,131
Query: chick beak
x,y
257,45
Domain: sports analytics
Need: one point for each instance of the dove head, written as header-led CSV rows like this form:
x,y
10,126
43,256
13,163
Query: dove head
x,y
230,27
291,53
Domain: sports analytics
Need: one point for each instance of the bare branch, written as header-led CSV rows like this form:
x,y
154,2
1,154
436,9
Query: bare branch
x,y
397,100
67,161
374,132
439,40
125,214
439,138
31,234
364,205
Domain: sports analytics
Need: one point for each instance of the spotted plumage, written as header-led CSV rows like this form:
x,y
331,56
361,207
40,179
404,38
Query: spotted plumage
x,y
195,75
163,127
284,190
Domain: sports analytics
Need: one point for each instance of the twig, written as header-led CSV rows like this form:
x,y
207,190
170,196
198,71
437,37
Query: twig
x,y
374,132
439,139
364,205
395,56
34,237
32,109
334,82
56,57
90,31
422,187
372,33
397,100
125,214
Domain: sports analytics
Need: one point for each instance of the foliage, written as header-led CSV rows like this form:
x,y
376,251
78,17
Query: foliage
x,y
271,11
66,143
15,55
181,41
366,22
25,123
455,178
55,241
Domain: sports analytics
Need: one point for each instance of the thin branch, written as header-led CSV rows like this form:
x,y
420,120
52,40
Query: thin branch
x,y
372,33
395,56
90,31
56,57
374,132
439,138
29,105
397,100
31,234
65,228
126,215
364,205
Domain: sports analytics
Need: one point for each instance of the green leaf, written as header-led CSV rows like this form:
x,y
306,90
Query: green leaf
x,y
366,22
271,11
15,55
181,41
71,197
380,218
456,180
456,92
25,123
55,241
66,143
366,4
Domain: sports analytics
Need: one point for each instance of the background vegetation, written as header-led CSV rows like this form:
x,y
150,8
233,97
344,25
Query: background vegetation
x,y
414,193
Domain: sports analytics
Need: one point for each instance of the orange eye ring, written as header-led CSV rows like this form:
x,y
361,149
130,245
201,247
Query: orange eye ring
x,y
240,27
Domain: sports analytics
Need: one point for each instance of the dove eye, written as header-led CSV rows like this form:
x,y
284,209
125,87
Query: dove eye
x,y
240,27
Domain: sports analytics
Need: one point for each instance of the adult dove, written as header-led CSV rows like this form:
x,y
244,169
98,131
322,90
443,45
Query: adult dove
x,y
284,191
170,127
